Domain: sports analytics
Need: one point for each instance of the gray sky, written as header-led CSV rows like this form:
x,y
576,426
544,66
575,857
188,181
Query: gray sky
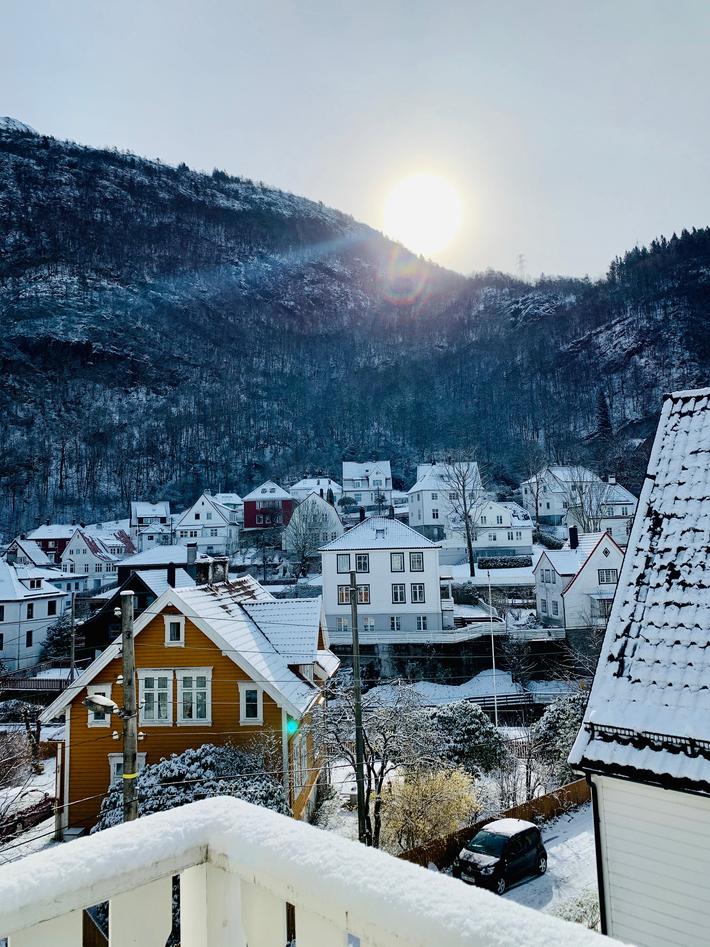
x,y
571,129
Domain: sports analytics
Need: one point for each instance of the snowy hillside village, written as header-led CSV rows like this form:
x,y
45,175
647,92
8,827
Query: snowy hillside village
x,y
457,629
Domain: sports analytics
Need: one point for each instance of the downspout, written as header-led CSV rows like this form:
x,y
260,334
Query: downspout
x,y
67,758
598,853
285,756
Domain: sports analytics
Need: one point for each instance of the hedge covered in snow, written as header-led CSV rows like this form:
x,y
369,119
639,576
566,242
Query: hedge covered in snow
x,y
504,562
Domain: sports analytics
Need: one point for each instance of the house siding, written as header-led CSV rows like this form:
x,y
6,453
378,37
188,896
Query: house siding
x,y
655,861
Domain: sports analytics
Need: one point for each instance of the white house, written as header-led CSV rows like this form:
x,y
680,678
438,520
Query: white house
x,y
645,740
154,534
575,586
96,556
502,529
233,502
29,604
399,590
549,494
26,552
148,514
318,485
367,481
607,506
432,499
313,522
209,524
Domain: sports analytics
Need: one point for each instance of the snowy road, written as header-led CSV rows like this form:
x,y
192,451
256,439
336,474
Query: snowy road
x,y
571,870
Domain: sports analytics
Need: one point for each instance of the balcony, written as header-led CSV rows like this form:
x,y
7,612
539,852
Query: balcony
x,y
239,866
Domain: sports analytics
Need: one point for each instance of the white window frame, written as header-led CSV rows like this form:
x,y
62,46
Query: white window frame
x,y
105,691
395,623
342,555
114,759
180,673
155,672
368,624
362,562
245,721
342,625
399,556
414,599
422,623
169,620
416,557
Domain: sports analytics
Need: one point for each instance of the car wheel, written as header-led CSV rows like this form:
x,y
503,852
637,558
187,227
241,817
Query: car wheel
x,y
501,885
542,865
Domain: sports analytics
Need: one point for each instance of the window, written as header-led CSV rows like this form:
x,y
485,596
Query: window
x,y
417,591
342,625
52,607
555,608
197,516
543,606
399,595
35,583
174,631
510,534
194,695
208,515
483,520
397,562
368,624
499,520
608,576
98,718
357,497
547,506
30,610
362,562
395,623
259,518
518,534
363,595
251,704
343,562
156,697
435,496
434,513
416,562
2,641
2,613
491,537
605,552
115,762
453,495
28,639
421,622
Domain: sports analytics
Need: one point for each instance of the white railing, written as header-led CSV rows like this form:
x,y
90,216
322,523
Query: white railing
x,y
239,865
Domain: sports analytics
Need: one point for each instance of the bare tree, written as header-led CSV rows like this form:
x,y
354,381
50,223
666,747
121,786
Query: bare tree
x,y
462,479
308,528
588,498
534,460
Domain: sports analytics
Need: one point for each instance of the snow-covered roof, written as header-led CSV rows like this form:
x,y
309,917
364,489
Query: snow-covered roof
x,y
268,491
12,588
157,579
649,707
564,474
380,532
141,509
221,611
316,484
228,499
31,551
353,470
508,827
154,528
438,477
53,531
568,561
158,555
615,493
517,512
219,508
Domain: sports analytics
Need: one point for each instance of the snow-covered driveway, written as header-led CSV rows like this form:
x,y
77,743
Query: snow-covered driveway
x,y
571,867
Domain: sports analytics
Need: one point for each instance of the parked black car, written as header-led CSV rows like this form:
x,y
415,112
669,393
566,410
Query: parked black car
x,y
501,853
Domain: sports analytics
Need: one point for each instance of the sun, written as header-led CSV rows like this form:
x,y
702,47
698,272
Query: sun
x,y
423,211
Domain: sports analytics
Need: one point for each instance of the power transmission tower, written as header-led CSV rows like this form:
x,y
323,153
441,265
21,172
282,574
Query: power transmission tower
x,y
359,740
130,711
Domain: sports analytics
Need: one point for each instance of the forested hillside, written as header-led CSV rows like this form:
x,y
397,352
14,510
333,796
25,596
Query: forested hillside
x,y
166,330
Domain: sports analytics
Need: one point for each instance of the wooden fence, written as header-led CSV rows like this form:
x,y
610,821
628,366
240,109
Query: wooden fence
x,y
442,851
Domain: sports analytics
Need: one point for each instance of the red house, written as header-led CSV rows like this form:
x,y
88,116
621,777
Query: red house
x,y
268,505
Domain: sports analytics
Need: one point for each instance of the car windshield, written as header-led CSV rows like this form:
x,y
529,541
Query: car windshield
x,y
487,843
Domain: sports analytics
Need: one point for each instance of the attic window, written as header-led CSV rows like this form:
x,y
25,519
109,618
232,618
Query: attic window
x,y
605,551
379,534
174,631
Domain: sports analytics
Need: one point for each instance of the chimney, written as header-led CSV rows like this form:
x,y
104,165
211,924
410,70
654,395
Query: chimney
x,y
573,537
362,514
390,513
203,568
171,575
11,558
612,480
48,522
321,493
220,569
23,535
191,553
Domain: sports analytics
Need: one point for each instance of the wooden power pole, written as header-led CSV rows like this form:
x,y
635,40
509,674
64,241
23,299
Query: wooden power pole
x,y
359,740
130,711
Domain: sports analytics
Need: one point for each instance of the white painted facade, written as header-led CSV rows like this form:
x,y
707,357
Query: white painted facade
x,y
655,861
212,526
316,517
29,605
431,497
614,508
364,482
549,494
398,575
575,588
144,513
93,557
318,485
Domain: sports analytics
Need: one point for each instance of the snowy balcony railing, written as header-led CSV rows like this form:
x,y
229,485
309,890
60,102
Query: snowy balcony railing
x,y
239,866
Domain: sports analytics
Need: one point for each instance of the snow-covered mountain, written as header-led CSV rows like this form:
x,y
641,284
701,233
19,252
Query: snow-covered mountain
x,y
166,330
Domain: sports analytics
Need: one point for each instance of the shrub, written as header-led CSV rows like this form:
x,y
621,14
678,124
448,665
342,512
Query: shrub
x,y
426,805
505,562
544,539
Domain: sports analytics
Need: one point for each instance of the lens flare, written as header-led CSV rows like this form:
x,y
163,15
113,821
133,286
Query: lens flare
x,y
424,213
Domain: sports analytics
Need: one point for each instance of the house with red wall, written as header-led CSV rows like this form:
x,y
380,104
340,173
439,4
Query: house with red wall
x,y
267,506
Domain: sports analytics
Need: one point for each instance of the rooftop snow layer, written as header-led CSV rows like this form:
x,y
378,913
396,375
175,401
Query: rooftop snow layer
x,y
268,491
654,670
381,532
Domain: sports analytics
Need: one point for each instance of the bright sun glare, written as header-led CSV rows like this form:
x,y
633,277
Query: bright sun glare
x,y
423,212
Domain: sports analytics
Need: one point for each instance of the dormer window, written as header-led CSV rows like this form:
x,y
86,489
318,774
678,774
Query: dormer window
x,y
174,631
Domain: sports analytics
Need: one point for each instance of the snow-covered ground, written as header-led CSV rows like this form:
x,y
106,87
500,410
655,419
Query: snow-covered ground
x,y
571,866
482,685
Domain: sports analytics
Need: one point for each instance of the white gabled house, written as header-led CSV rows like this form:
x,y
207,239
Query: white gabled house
x,y
318,485
575,586
144,513
367,481
431,498
212,526
645,740
606,505
549,493
29,605
313,522
96,556
399,588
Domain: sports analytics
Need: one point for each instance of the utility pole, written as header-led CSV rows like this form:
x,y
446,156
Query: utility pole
x,y
72,655
493,650
130,711
359,741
